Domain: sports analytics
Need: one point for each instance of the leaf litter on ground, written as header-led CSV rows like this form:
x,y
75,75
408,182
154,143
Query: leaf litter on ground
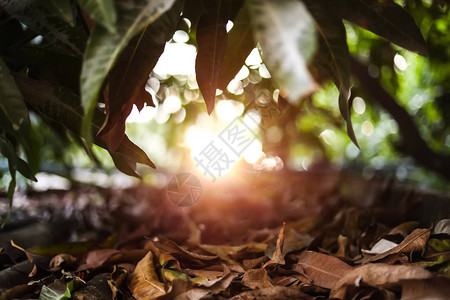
x,y
304,255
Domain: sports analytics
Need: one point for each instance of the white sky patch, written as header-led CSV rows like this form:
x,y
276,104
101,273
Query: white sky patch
x,y
177,59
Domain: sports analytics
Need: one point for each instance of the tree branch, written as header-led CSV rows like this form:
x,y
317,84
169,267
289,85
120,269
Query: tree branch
x,y
412,142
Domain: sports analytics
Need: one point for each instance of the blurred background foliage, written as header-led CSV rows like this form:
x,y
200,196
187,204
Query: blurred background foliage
x,y
308,136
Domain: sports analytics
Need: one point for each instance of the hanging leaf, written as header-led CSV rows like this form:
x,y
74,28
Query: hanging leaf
x,y
286,33
102,11
211,41
130,74
62,8
43,18
384,18
103,50
15,119
44,97
333,40
239,45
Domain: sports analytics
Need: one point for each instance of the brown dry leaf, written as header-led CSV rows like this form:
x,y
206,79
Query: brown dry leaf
x,y
324,270
278,257
256,279
342,243
274,293
253,263
144,281
188,290
377,274
96,258
413,242
404,228
423,289
60,259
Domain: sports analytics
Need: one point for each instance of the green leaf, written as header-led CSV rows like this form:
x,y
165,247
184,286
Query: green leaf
x,y
211,40
103,49
384,18
62,8
333,40
58,290
102,11
15,163
13,106
130,74
239,45
45,98
42,18
286,33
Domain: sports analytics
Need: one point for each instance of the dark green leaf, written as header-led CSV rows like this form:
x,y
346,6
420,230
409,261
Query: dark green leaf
x,y
334,41
103,49
13,106
384,18
45,98
44,19
102,11
211,40
62,8
130,74
239,45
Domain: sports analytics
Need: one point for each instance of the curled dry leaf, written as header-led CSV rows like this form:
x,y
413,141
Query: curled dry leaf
x,y
413,242
144,280
257,279
324,270
377,274
278,257
381,246
60,259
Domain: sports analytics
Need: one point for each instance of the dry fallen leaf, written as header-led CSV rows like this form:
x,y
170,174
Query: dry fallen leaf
x,y
256,279
381,246
324,270
278,257
377,274
413,242
144,280
423,289
274,293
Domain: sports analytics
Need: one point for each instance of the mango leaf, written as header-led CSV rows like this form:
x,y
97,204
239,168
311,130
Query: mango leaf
x,y
277,258
256,279
103,50
62,8
15,119
377,274
14,161
239,45
386,19
415,241
334,40
287,36
102,11
42,18
211,41
45,98
144,282
324,270
58,290
130,74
